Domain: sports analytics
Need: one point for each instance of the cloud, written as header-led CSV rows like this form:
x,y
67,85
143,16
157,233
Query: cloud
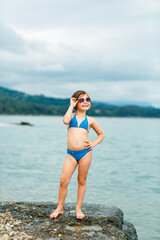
x,y
84,54
11,41
85,43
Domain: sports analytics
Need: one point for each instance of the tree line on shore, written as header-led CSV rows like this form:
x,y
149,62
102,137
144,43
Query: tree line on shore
x,y
15,102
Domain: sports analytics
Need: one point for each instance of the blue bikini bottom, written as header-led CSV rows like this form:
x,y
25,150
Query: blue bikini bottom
x,y
78,154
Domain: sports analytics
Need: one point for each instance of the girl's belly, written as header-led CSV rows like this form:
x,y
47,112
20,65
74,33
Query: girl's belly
x,y
76,138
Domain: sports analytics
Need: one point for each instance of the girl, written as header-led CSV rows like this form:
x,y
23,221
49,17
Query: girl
x,y
79,151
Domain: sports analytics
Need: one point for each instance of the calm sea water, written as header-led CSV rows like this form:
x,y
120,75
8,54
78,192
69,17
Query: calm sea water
x,y
125,169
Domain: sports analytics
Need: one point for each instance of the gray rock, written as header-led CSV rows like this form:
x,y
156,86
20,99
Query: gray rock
x,y
24,124
101,222
129,230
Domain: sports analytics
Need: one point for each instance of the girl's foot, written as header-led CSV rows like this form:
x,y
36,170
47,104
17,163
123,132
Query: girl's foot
x,y
56,213
79,214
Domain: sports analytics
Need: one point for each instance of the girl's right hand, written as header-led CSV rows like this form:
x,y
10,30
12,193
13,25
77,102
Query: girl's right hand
x,y
73,101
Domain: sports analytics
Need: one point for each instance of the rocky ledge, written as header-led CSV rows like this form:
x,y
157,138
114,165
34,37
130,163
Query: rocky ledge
x,y
19,220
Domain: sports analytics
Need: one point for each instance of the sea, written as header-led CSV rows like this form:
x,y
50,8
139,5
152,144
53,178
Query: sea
x,y
125,168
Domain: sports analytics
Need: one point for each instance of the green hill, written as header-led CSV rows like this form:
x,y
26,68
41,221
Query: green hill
x,y
15,102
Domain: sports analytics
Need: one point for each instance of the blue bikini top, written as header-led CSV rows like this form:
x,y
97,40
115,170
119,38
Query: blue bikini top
x,y
74,123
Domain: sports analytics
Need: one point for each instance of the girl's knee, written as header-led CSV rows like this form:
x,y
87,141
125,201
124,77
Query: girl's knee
x,y
81,180
64,181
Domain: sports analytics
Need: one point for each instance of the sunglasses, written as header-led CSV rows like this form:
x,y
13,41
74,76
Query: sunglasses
x,y
83,99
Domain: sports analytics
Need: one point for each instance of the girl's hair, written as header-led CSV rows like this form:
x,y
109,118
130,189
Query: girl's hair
x,y
77,94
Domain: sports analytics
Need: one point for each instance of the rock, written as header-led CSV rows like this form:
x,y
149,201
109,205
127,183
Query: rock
x,y
32,221
129,230
24,123
11,234
7,228
2,228
16,223
5,237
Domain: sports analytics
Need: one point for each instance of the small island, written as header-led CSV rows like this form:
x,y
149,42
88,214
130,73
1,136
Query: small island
x,y
21,220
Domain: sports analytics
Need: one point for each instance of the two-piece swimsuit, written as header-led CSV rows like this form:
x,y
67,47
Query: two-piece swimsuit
x,y
84,124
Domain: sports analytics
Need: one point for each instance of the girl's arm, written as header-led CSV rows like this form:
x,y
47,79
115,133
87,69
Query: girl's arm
x,y
100,133
68,115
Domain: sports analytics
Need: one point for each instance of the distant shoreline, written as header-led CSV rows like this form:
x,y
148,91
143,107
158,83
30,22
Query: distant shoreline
x,y
43,115
15,102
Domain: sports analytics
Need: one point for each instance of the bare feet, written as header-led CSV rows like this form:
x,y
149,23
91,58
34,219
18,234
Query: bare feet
x,y
79,214
56,213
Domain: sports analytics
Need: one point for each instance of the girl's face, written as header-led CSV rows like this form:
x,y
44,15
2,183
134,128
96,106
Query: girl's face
x,y
83,104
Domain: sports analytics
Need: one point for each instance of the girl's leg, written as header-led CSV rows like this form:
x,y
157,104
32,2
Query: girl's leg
x,y
68,169
83,168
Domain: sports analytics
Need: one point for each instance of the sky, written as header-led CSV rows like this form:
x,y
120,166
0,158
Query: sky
x,y
110,49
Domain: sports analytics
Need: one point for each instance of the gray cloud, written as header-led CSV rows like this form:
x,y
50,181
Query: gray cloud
x,y
10,41
66,44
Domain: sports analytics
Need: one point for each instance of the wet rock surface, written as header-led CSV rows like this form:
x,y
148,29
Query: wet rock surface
x,y
31,221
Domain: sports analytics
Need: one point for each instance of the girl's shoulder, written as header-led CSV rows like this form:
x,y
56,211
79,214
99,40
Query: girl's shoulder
x,y
94,124
91,120
73,114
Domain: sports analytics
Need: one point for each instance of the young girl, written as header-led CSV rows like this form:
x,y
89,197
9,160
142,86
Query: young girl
x,y
79,151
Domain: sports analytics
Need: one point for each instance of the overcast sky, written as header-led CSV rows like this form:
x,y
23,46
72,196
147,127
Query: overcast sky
x,y
108,48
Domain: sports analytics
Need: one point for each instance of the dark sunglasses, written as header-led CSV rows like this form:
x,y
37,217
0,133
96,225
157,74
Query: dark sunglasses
x,y
83,99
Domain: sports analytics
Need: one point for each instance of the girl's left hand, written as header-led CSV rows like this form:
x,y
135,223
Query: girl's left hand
x,y
89,145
